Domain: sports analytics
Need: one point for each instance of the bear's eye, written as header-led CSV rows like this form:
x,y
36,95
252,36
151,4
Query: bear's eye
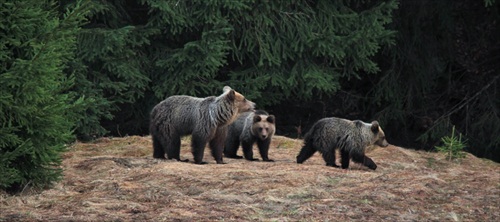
x,y
260,129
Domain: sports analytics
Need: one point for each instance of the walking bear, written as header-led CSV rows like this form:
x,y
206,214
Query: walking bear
x,y
206,119
249,128
350,137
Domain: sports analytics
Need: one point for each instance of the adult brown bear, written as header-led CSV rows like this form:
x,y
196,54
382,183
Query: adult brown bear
x,y
206,119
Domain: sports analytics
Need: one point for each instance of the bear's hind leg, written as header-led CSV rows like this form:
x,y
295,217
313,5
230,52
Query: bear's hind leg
x,y
173,148
158,149
305,153
264,149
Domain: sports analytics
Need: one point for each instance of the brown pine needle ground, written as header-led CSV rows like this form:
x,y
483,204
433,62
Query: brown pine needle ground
x,y
116,179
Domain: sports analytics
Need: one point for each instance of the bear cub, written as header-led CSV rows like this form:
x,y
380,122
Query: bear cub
x,y
350,137
249,128
206,119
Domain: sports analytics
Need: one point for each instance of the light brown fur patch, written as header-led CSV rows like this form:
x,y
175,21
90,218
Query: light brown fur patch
x,y
238,96
268,128
241,104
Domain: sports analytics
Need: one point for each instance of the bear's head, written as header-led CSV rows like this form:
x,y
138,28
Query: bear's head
x,y
378,135
263,126
238,101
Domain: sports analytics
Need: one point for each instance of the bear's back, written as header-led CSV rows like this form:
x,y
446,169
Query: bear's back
x,y
183,113
356,132
334,125
333,129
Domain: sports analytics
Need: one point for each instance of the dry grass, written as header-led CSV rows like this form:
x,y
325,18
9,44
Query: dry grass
x,y
118,180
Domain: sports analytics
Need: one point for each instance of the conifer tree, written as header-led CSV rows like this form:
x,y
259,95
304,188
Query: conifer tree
x,y
133,54
37,112
111,65
280,49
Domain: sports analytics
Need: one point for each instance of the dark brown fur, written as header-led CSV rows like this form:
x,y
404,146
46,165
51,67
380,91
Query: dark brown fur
x,y
250,128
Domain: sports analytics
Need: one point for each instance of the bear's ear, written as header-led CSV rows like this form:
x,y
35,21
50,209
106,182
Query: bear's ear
x,y
270,119
375,127
226,88
231,95
256,118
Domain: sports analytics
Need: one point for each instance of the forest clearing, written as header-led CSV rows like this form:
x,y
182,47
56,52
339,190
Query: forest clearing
x,y
116,179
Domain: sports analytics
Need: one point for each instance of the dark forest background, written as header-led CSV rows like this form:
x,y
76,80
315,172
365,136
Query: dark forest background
x,y
92,68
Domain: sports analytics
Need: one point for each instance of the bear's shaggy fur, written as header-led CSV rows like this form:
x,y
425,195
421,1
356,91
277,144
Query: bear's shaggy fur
x,y
249,128
205,118
350,137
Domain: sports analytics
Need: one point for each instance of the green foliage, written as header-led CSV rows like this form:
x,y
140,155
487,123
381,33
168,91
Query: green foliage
x,y
132,54
452,146
110,66
270,51
37,112
489,3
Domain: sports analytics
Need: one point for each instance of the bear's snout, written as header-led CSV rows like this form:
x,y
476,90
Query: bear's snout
x,y
247,107
384,143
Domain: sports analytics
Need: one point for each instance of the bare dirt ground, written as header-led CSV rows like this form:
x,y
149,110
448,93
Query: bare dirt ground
x,y
116,179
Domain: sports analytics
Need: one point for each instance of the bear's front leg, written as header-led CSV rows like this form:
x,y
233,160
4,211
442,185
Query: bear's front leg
x,y
367,161
344,159
247,150
217,150
217,144
264,149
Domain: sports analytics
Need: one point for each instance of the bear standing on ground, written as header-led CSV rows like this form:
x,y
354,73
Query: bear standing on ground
x,y
205,118
250,127
350,137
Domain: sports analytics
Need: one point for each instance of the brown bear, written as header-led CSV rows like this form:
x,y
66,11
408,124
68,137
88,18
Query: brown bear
x,y
250,127
206,119
350,137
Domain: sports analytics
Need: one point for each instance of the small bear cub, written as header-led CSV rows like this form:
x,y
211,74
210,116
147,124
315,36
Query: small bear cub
x,y
350,137
249,128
